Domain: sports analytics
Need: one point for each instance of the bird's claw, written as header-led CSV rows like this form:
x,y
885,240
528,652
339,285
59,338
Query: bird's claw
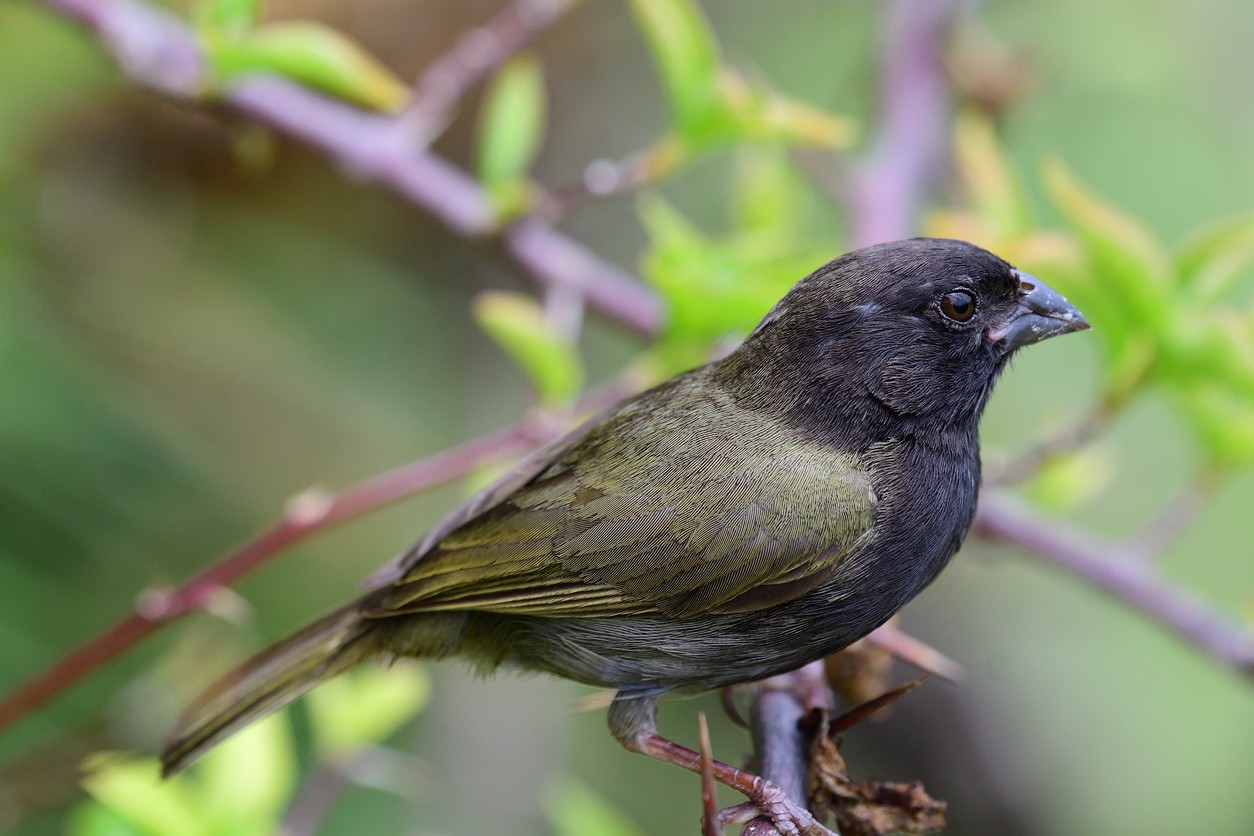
x,y
789,817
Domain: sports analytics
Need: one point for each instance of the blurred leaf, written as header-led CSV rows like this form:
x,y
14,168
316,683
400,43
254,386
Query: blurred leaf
x,y
988,176
366,705
1131,268
1066,482
1215,343
1130,364
770,195
132,789
92,819
518,325
686,54
247,783
511,126
312,54
715,290
1212,260
230,17
712,105
1223,419
575,810
755,111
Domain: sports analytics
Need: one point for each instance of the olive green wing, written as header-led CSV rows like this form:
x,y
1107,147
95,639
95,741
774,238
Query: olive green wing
x,y
484,501
700,508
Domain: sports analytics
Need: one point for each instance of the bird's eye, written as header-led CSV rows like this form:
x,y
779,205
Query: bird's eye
x,y
958,305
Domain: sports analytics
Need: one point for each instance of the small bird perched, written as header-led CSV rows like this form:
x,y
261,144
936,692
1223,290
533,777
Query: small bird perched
x,y
733,523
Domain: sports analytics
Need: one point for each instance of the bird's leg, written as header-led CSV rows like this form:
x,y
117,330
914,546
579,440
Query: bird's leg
x,y
633,722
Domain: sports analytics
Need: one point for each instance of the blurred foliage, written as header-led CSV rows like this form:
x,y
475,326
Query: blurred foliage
x,y
1171,319
717,289
190,330
244,788
304,51
511,128
575,810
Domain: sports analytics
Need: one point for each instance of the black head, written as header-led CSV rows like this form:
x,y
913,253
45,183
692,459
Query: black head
x,y
900,337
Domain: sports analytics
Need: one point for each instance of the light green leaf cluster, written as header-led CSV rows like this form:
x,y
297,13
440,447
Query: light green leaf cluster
x,y
1163,317
718,288
711,104
366,706
304,51
243,786
239,788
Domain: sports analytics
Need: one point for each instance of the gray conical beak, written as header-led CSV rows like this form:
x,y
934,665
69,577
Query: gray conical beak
x,y
1042,313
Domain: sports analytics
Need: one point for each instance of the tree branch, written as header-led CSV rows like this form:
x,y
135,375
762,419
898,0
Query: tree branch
x,y
159,51
307,514
1123,575
887,189
475,55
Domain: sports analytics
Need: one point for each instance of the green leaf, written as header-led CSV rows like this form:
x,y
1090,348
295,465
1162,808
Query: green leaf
x,y
511,126
518,325
312,54
1223,420
770,195
1067,482
132,789
1132,271
714,291
575,810
246,782
748,110
367,705
1212,260
91,819
228,17
991,182
686,54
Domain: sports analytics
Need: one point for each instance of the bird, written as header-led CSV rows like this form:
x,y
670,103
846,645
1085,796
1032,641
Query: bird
x,y
733,523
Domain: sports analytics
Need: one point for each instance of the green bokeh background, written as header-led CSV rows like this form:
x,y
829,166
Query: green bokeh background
x,y
197,321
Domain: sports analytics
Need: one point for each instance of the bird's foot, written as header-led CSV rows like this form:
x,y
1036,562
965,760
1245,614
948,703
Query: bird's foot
x,y
789,817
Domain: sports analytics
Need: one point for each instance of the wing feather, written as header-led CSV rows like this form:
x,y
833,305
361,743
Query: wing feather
x,y
673,506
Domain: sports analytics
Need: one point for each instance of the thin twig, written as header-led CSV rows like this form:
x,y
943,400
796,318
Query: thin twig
x,y
475,54
319,790
609,178
1122,574
909,649
1175,518
888,187
1068,440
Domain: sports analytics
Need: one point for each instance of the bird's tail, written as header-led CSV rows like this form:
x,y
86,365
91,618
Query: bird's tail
x,y
270,680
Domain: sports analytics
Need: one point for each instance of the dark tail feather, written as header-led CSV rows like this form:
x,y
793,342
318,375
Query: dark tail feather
x,y
268,681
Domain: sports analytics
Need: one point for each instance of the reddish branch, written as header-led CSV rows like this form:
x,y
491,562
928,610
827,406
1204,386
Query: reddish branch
x,y
308,514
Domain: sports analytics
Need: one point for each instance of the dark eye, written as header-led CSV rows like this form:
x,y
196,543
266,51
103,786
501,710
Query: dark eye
x,y
958,305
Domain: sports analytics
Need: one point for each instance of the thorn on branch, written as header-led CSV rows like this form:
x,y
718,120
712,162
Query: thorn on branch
x,y
710,823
